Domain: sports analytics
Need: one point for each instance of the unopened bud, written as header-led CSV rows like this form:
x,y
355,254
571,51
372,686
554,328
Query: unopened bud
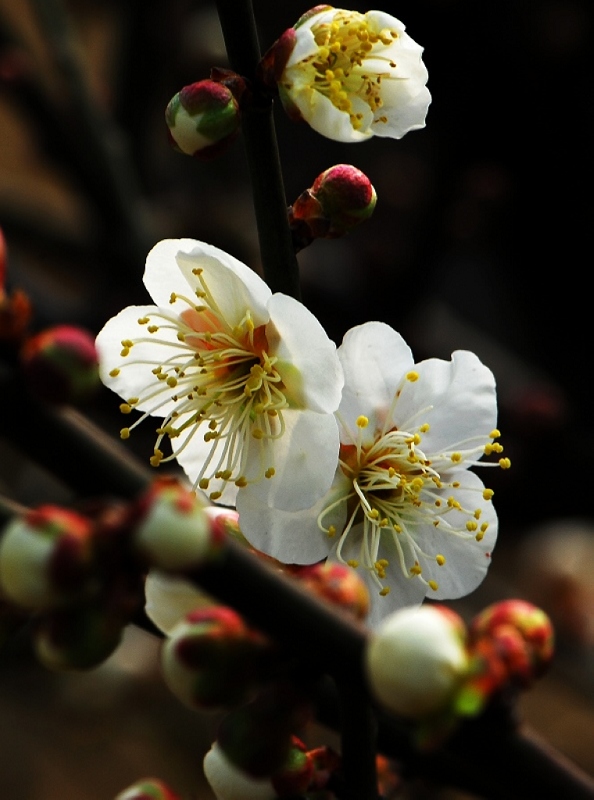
x,y
60,364
212,658
229,782
174,533
203,119
295,776
45,557
148,789
416,659
338,584
522,633
339,199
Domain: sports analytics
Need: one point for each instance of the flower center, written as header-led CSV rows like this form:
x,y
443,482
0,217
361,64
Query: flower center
x,y
344,45
222,382
395,488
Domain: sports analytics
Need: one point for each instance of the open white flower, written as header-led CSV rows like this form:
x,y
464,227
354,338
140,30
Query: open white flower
x,y
352,75
404,507
246,381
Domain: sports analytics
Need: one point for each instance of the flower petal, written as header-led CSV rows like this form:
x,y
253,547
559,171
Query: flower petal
x,y
374,359
234,286
307,358
459,398
292,537
135,374
304,459
322,115
169,599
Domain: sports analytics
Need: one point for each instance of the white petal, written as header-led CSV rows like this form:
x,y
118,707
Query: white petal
x,y
228,782
292,537
234,286
467,560
374,358
460,398
379,21
308,362
135,378
323,116
304,458
169,599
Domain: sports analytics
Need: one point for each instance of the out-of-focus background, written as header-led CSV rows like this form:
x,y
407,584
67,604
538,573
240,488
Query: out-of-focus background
x,y
481,240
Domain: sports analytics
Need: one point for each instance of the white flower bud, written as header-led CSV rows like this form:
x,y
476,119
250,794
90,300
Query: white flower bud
x,y
230,783
416,659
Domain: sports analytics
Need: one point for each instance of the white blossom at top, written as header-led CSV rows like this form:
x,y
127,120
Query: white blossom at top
x,y
245,381
404,508
352,76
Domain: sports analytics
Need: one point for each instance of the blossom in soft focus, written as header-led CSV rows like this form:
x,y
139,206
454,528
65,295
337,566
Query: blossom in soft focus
x,y
416,660
405,510
245,381
351,76
228,782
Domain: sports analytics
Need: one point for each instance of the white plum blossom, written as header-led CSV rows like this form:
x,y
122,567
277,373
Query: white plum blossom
x,y
245,381
404,507
351,76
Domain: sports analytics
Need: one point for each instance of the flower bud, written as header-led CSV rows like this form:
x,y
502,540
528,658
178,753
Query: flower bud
x,y
339,584
229,782
212,658
60,364
294,777
174,533
339,199
416,659
203,119
523,635
45,557
148,789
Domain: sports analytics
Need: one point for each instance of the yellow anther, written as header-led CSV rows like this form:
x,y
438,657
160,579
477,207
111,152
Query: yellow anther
x,y
373,514
433,585
480,536
114,373
412,376
385,591
397,528
416,569
203,484
331,531
156,458
477,513
181,336
125,433
124,352
438,503
241,482
456,485
504,463
144,320
440,559
488,494
127,343
484,526
214,496
424,428
495,434
471,525
212,425
172,297
362,421
153,328
456,457
258,433
125,408
270,472
171,382
353,563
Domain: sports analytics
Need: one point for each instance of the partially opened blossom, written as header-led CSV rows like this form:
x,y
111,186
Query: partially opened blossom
x,y
404,508
245,382
349,75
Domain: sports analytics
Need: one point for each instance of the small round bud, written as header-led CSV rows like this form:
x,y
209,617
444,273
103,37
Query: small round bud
x,y
45,557
228,782
148,789
174,533
211,658
523,634
339,199
61,365
203,119
295,776
416,659
339,585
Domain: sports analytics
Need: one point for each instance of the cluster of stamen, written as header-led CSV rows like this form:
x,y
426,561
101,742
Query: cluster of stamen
x,y
222,381
394,488
339,64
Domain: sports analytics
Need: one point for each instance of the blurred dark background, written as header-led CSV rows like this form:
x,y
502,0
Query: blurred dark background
x,y
481,239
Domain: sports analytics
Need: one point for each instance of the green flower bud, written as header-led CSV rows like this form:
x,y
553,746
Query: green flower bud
x,y
203,119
